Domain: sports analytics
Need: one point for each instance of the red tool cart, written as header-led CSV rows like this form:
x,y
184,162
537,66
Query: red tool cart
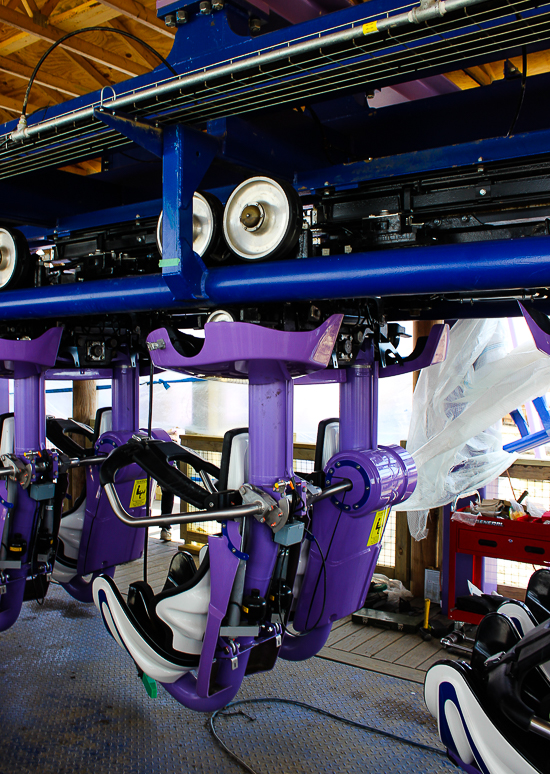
x,y
527,542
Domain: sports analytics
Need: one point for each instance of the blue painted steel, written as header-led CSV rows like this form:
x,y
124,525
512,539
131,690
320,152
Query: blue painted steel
x,y
474,267
143,134
187,156
418,162
530,440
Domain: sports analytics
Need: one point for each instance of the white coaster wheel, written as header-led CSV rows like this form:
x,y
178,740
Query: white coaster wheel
x,y
262,219
207,223
15,259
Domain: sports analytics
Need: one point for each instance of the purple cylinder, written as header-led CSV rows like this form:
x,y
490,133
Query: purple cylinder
x,y
270,403
29,408
359,408
380,477
125,399
270,397
4,396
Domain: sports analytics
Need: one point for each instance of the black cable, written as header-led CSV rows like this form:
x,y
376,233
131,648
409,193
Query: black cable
x,y
148,490
523,84
78,32
324,565
325,713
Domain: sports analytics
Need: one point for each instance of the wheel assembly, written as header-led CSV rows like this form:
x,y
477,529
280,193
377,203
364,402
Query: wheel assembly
x,y
207,227
15,259
262,219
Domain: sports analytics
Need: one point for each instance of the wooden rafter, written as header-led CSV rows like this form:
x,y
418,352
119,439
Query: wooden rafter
x,y
89,68
139,13
49,7
17,70
141,51
50,34
14,105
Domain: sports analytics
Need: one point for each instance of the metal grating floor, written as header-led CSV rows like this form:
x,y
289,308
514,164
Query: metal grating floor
x,y
71,703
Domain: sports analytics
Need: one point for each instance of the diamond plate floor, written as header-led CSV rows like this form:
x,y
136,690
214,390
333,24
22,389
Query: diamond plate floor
x,y
71,703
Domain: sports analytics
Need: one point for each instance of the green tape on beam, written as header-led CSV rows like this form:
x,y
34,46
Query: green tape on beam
x,y
168,262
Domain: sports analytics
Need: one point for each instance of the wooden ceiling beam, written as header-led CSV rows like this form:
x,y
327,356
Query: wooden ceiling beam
x,y
30,7
14,105
50,34
89,68
141,51
139,13
17,70
49,7
45,80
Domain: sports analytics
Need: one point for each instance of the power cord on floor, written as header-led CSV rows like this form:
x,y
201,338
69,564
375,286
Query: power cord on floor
x,y
311,707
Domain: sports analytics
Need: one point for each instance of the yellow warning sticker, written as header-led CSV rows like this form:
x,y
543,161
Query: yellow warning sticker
x,y
378,527
370,27
139,493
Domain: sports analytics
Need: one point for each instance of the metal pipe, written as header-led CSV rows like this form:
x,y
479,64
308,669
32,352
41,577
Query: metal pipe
x,y
416,15
344,486
540,727
239,512
466,268
76,462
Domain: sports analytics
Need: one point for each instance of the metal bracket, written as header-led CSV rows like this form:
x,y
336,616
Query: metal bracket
x,y
143,134
187,156
232,548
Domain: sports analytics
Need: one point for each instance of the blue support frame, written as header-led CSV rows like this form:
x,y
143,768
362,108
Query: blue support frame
x,y
187,156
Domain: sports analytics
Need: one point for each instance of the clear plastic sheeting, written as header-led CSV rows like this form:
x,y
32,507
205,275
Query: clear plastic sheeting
x,y
454,435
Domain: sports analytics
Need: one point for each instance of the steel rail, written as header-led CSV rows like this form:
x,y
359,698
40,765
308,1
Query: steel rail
x,y
238,512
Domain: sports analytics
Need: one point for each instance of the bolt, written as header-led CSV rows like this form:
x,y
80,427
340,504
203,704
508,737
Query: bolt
x,y
205,7
355,507
254,25
331,470
217,5
338,464
482,192
437,222
170,20
465,218
358,467
182,17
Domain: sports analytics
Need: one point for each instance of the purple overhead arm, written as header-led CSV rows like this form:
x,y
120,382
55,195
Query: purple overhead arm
x,y
539,325
229,348
435,351
28,357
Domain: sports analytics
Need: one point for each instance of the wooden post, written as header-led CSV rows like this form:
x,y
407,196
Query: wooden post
x,y
424,553
84,409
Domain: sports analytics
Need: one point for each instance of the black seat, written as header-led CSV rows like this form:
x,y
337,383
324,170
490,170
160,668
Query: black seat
x,y
325,448
495,634
101,418
142,601
537,597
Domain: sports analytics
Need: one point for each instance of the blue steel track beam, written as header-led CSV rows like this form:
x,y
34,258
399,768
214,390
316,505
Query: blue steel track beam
x,y
449,157
517,264
286,69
